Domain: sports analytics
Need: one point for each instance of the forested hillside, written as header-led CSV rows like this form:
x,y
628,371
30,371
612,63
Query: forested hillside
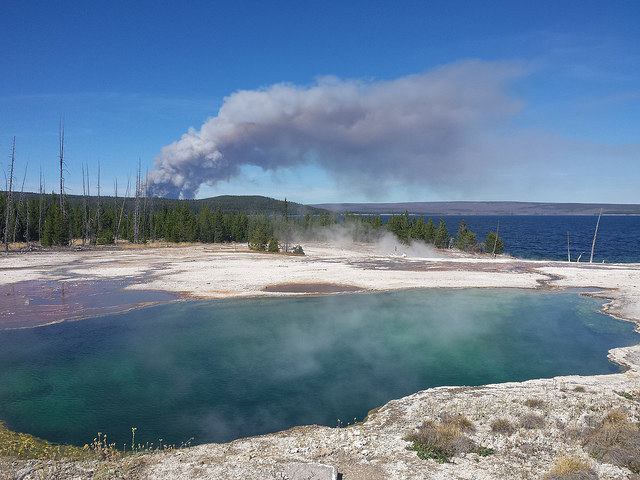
x,y
265,224
46,219
250,204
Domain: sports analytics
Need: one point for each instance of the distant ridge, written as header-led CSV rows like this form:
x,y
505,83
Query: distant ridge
x,y
250,204
484,208
255,204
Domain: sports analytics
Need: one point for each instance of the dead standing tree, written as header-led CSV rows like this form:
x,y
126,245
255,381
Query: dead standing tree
x,y
9,205
97,228
85,215
145,196
18,219
593,245
61,143
62,202
40,204
136,211
124,199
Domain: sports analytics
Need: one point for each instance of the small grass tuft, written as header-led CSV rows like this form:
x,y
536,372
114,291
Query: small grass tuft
x,y
615,440
442,441
534,403
531,421
579,388
503,426
569,467
102,449
461,421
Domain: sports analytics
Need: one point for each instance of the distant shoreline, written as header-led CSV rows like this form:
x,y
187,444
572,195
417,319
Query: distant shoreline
x,y
483,208
432,214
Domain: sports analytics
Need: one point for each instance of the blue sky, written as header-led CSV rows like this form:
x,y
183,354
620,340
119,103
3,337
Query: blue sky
x,y
328,101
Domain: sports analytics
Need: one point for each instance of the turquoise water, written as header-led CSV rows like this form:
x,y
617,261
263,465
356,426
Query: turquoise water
x,y
219,370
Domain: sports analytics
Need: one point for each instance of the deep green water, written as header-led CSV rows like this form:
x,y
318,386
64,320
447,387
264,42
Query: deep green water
x,y
219,370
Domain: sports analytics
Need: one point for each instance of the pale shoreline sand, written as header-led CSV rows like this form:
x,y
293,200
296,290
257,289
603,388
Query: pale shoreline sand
x,y
374,449
230,270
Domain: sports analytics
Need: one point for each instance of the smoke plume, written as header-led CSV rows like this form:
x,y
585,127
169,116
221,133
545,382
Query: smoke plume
x,y
419,128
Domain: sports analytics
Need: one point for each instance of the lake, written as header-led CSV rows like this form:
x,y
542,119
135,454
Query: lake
x,y
222,369
545,237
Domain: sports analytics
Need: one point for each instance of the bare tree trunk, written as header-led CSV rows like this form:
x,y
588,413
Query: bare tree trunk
x,y
27,236
144,204
136,211
495,244
61,142
9,204
152,230
99,207
85,220
568,249
40,208
19,207
124,199
593,245
62,202
115,209
91,232
18,210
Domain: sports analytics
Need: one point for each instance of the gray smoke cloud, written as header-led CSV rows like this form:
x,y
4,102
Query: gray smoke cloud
x,y
419,128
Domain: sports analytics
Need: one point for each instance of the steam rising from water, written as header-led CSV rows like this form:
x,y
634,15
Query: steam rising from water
x,y
422,128
219,370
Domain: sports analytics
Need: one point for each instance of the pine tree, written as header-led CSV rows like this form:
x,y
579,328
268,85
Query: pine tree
x,y
218,226
47,230
430,232
465,239
205,232
442,235
418,229
273,245
493,243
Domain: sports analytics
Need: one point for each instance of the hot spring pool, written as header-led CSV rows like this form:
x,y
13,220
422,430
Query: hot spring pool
x,y
224,369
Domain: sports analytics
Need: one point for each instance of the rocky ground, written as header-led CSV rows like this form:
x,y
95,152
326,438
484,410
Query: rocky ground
x,y
565,427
